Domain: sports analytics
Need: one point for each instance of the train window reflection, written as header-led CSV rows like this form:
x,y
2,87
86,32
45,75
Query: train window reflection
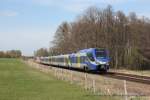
x,y
90,56
101,54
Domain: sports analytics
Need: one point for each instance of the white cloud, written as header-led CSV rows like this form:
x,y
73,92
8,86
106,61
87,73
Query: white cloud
x,y
8,13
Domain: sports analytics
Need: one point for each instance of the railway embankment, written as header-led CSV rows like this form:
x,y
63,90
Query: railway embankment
x,y
134,72
97,83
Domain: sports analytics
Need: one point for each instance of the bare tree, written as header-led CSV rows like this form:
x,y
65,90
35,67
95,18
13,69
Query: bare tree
x,y
127,37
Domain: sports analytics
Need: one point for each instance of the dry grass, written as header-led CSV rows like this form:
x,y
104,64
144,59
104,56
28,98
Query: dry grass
x,y
103,85
135,72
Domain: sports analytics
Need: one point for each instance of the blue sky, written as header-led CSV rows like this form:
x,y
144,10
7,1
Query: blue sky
x,y
30,24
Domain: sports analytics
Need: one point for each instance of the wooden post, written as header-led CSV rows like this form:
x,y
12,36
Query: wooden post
x,y
71,77
125,89
62,74
65,74
108,91
85,76
94,89
55,72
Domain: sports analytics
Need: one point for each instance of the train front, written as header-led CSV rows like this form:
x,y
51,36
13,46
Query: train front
x,y
102,59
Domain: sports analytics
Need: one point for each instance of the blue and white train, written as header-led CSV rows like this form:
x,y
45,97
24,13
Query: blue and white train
x,y
92,59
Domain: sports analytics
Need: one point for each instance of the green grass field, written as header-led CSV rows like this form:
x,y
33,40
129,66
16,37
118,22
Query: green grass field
x,y
21,82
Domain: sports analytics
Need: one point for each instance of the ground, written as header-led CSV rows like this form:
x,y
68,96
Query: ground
x,y
136,72
18,81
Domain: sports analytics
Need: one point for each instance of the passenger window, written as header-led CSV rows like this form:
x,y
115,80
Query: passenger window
x,y
82,59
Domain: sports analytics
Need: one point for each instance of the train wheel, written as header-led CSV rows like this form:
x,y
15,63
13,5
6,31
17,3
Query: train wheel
x,y
104,71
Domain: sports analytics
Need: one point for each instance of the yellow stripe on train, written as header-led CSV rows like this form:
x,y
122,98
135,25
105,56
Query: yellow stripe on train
x,y
78,60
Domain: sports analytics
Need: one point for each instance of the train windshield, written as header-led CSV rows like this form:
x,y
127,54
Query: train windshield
x,y
101,53
90,56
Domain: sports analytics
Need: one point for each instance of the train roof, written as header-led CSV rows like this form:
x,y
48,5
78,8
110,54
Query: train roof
x,y
81,52
60,56
90,49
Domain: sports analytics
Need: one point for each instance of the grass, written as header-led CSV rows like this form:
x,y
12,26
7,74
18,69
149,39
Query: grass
x,y
20,82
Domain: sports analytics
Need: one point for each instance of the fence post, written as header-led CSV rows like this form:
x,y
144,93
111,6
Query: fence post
x,y
94,89
71,77
85,76
55,72
62,74
125,89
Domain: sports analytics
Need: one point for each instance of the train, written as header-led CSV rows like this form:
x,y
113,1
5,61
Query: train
x,y
91,59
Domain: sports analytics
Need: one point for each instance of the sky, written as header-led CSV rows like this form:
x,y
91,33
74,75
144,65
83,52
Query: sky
x,y
28,25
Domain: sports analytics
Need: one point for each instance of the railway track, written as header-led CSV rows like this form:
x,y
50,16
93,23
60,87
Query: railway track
x,y
115,75
129,77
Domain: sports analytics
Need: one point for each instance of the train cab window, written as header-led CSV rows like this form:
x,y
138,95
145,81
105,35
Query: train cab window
x,y
90,56
101,53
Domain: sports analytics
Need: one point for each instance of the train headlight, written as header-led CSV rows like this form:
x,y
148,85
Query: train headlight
x,y
107,63
97,62
102,62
